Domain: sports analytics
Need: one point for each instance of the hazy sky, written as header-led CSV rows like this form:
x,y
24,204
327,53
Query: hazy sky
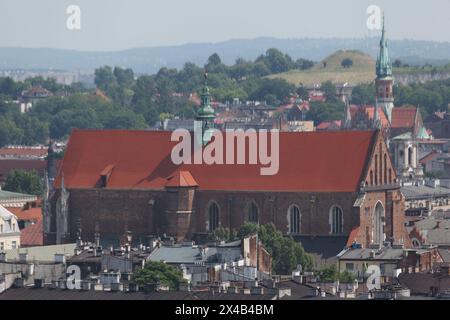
x,y
122,24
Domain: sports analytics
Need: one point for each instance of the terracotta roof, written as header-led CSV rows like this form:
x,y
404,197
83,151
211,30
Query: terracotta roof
x,y
335,124
32,214
352,236
429,157
370,111
182,179
403,117
309,161
28,165
23,152
33,235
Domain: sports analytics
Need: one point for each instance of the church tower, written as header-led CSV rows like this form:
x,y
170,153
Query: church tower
x,y
384,81
205,113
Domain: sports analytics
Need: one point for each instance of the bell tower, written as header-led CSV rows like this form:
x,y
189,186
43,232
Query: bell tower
x,y
384,81
205,113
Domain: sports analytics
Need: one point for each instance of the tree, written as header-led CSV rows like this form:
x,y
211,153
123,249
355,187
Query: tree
x,y
304,64
347,63
397,63
158,272
9,132
363,94
303,93
214,59
329,89
22,181
286,252
223,234
278,88
276,61
104,78
325,111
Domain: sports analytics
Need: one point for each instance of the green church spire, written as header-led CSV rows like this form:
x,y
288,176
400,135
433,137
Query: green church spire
x,y
384,66
206,113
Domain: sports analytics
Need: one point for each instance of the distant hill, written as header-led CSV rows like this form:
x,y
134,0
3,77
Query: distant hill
x,y
331,69
150,60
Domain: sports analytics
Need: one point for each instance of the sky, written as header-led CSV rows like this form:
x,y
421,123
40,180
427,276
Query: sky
x,y
109,25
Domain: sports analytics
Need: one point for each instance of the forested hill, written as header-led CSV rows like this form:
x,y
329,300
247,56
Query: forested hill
x,y
150,60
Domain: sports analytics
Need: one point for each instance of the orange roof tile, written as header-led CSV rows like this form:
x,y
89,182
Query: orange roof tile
x,y
370,111
309,161
33,235
32,214
182,179
403,117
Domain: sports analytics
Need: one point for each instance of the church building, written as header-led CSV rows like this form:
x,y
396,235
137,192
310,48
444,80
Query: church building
x,y
337,184
402,127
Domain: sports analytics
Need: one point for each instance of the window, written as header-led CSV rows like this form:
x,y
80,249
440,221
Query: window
x,y
385,169
349,266
13,227
2,246
14,245
410,156
336,220
253,213
1,228
294,219
376,170
213,216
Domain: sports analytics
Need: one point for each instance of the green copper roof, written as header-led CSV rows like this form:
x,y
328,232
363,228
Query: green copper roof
x,y
423,134
384,66
205,112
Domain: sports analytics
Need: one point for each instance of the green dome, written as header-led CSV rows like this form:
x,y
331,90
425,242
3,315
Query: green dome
x,y
206,112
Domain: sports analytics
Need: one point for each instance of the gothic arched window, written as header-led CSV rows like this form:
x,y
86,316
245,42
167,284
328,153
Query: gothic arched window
x,y
336,220
294,219
213,216
253,215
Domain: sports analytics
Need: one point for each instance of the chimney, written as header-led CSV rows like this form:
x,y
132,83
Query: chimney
x,y
233,290
257,290
60,258
23,257
133,287
86,285
116,287
97,239
19,282
38,283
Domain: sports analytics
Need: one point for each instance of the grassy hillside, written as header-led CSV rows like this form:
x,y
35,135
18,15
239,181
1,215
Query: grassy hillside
x,y
330,69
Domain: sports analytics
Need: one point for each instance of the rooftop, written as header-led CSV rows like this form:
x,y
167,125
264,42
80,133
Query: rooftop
x,y
142,161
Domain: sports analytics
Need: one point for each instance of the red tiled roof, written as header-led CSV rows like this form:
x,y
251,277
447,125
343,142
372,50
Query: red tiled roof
x,y
7,165
352,236
403,117
23,152
33,235
327,124
370,111
182,179
429,157
32,214
309,161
